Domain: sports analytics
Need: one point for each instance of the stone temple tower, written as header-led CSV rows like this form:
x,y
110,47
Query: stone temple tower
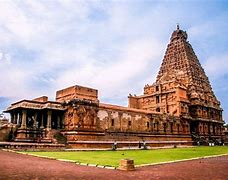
x,y
182,89
181,61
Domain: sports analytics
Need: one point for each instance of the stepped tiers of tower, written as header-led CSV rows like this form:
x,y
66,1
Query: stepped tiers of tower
x,y
182,88
178,109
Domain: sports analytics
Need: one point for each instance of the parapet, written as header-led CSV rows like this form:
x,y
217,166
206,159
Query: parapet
x,y
41,99
77,92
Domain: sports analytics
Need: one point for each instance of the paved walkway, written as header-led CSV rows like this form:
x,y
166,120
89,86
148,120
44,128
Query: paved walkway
x,y
18,166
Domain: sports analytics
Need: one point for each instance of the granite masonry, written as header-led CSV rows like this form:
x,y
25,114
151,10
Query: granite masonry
x,y
180,108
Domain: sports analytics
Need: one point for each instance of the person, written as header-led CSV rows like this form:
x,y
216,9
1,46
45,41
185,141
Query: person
x,y
222,142
114,147
139,145
29,122
144,145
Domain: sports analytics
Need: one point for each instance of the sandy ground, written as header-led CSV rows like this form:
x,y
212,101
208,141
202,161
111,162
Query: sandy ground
x,y
18,166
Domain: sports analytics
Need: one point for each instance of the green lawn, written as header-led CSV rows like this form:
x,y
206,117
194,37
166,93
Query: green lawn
x,y
112,158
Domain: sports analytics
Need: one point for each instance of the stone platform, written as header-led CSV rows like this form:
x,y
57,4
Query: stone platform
x,y
83,139
125,144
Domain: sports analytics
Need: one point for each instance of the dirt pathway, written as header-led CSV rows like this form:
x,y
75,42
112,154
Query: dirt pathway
x,y
18,166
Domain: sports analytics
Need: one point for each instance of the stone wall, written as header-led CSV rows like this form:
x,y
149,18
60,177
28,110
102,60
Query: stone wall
x,y
77,92
121,119
41,99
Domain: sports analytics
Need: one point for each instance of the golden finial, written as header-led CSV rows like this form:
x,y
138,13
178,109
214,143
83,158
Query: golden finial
x,y
178,26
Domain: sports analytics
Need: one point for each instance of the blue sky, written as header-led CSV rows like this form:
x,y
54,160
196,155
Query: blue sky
x,y
113,46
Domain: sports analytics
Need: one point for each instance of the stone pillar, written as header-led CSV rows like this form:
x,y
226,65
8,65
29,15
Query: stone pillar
x,y
11,117
178,127
42,121
133,123
120,114
209,129
216,129
161,127
58,122
168,128
188,128
18,118
157,126
166,103
35,121
24,117
63,121
109,120
202,128
14,118
49,120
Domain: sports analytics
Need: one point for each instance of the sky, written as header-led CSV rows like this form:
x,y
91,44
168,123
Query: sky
x,y
114,46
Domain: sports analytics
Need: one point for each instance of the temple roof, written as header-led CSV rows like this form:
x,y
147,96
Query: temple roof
x,y
179,34
31,104
181,62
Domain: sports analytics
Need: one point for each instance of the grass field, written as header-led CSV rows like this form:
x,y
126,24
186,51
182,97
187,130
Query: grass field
x,y
112,158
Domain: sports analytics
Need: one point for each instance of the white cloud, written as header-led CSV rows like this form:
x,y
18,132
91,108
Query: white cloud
x,y
217,66
116,47
65,54
33,26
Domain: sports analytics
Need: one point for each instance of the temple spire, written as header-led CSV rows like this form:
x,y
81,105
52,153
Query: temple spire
x,y
178,26
181,59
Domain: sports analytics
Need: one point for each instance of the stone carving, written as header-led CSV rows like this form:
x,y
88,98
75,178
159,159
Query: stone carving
x,y
81,113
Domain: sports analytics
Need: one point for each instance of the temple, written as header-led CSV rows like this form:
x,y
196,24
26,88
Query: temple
x,y
180,108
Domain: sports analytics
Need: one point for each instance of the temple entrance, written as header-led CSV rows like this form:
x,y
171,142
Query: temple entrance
x,y
194,127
